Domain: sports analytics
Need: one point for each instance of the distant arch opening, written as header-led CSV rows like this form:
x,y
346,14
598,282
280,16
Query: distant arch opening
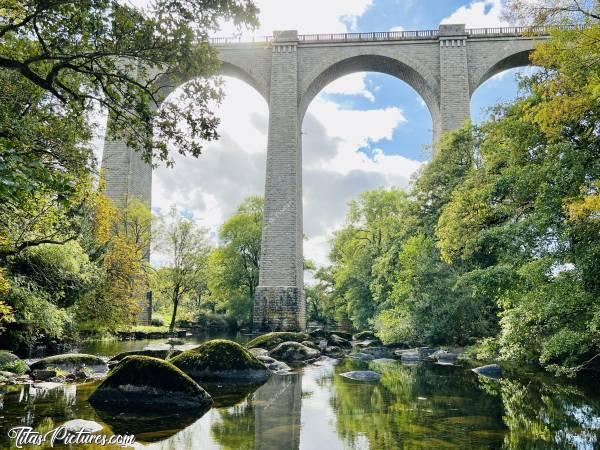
x,y
362,131
212,186
501,87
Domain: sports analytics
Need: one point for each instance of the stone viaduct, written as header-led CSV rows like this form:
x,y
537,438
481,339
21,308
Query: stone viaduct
x,y
444,66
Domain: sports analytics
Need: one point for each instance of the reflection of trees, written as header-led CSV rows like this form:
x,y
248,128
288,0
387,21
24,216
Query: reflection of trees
x,y
541,414
235,429
430,406
418,407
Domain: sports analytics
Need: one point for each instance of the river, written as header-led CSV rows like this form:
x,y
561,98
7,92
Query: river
x,y
424,406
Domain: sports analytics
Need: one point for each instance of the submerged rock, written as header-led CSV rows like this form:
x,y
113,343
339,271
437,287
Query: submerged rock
x,y
379,352
491,370
444,357
77,425
278,367
143,382
294,352
414,354
223,360
71,361
175,341
362,375
361,356
272,340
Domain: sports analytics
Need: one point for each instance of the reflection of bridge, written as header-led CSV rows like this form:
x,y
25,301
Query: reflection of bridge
x,y
444,66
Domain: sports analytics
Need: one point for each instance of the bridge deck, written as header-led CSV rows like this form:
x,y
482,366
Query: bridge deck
x,y
379,36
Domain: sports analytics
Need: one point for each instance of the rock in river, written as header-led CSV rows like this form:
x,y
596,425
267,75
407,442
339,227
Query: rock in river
x,y
77,425
491,370
143,382
272,340
362,375
221,359
365,336
338,341
70,361
154,353
294,352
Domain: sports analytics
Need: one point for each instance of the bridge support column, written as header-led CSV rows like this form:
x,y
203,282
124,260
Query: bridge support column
x,y
455,98
126,177
279,302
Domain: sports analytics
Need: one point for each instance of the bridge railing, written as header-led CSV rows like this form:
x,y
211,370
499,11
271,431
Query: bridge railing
x,y
396,35
374,36
517,31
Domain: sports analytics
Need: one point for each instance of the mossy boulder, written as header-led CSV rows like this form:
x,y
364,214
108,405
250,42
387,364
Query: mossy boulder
x,y
272,340
154,353
365,336
71,361
222,360
294,353
143,382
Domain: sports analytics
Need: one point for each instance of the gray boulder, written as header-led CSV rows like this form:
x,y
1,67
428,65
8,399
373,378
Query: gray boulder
x,y
444,357
76,425
362,375
491,371
361,356
365,336
71,361
379,352
294,352
338,341
334,351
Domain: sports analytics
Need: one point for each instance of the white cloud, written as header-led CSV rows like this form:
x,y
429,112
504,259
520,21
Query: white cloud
x,y
212,186
478,14
353,84
306,16
398,28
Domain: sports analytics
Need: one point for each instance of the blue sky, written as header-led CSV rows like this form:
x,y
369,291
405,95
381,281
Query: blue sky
x,y
363,131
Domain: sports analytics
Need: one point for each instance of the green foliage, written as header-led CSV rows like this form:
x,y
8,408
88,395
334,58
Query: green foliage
x,y
18,367
233,267
500,238
184,244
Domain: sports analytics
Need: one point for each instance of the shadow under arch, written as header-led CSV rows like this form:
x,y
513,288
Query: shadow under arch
x,y
380,64
511,61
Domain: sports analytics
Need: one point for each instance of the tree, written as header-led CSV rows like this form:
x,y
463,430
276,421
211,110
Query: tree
x,y
543,12
117,241
115,55
233,267
184,245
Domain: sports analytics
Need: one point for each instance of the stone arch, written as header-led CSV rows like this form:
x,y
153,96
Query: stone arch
x,y
228,68
513,60
374,63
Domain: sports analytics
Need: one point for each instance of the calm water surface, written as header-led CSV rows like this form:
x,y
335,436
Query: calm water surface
x,y
426,406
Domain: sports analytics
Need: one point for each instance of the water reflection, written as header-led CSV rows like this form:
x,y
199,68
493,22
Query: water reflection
x,y
418,407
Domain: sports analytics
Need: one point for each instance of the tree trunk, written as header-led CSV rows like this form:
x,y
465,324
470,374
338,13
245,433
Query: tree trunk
x,y
175,304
